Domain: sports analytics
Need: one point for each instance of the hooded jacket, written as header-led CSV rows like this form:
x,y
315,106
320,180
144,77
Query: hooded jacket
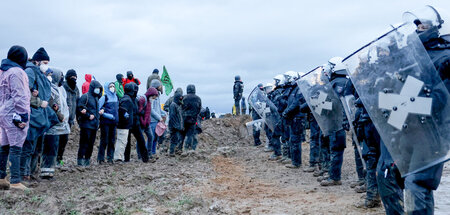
x,y
170,100
157,112
14,93
109,102
145,107
192,105
72,96
151,78
40,117
119,87
89,101
176,122
126,108
59,97
85,86
126,80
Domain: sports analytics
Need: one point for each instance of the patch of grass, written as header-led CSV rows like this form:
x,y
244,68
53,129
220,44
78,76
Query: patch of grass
x,y
186,200
37,199
120,211
27,192
151,190
120,199
74,212
69,207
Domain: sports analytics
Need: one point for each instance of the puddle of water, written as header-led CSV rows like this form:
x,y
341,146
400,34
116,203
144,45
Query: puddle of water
x,y
442,194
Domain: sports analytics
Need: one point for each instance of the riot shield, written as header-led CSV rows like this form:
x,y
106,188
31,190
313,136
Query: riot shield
x,y
264,108
348,103
405,98
322,100
255,125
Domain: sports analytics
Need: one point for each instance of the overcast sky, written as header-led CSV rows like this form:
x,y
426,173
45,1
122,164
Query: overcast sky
x,y
202,42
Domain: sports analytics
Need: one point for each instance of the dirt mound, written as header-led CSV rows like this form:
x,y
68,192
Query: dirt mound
x,y
228,131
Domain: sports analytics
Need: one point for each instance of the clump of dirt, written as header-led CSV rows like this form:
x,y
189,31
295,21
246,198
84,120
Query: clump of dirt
x,y
228,131
226,175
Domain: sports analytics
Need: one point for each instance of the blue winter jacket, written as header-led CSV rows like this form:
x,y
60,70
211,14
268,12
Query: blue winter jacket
x,y
109,102
40,117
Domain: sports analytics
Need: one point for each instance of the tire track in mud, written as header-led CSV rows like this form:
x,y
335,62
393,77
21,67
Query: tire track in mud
x,y
242,193
246,183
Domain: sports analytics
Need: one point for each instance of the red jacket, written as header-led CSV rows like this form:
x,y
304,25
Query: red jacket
x,y
126,81
85,87
145,107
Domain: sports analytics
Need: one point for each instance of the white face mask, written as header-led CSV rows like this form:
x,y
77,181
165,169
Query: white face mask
x,y
50,78
112,89
97,91
43,68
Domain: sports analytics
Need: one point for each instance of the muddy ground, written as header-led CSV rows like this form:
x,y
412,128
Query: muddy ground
x,y
226,175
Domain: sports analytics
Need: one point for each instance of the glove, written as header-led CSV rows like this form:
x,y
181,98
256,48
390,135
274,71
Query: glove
x,y
126,115
19,118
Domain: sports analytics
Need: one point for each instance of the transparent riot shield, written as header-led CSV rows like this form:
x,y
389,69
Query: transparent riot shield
x,y
348,103
264,108
255,125
405,98
322,100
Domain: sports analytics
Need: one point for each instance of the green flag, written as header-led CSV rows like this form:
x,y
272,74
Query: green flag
x,y
166,82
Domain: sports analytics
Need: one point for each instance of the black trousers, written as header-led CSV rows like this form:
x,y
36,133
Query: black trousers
x,y
137,133
87,140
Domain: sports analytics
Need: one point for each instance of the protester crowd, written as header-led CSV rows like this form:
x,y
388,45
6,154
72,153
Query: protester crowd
x,y
40,105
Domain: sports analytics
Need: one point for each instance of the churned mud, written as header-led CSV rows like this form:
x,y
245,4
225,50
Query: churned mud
x,y
226,175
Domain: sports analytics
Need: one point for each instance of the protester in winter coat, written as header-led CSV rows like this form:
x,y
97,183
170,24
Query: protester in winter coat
x,y
73,93
125,123
135,129
176,124
85,86
109,105
170,100
192,104
208,114
145,108
155,75
157,114
88,118
130,79
58,102
14,114
119,86
42,116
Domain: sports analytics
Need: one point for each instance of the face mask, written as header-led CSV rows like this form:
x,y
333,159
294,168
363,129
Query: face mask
x,y
72,82
50,78
112,89
43,68
130,77
97,91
